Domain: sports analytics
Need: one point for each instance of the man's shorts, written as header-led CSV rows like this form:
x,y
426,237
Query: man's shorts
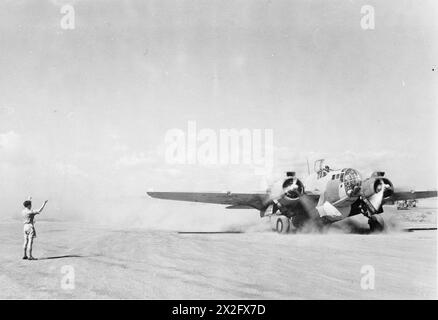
x,y
29,231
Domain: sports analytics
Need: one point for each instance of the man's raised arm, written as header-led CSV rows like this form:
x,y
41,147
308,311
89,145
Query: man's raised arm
x,y
43,206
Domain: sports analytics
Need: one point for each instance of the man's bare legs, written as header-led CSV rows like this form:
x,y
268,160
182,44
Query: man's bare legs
x,y
26,240
30,248
28,244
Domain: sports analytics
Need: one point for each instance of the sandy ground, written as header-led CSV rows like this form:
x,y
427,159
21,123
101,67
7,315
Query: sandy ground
x,y
107,263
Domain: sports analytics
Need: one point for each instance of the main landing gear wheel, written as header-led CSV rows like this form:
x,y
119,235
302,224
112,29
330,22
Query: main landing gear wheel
x,y
376,223
283,224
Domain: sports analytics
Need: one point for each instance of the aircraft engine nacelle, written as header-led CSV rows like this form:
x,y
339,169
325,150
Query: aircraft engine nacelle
x,y
287,191
375,183
293,188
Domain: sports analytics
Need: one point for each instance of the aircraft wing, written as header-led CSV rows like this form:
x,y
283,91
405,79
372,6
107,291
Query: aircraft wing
x,y
233,200
411,195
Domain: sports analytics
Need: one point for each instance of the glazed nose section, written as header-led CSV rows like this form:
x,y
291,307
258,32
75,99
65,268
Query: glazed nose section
x,y
352,182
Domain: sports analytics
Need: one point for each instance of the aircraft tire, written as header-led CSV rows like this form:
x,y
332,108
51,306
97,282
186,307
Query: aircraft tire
x,y
376,223
283,224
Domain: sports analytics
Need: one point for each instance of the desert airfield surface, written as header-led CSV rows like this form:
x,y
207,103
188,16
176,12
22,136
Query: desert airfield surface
x,y
255,264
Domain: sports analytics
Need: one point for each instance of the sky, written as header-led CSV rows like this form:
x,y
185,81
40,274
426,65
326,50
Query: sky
x,y
84,112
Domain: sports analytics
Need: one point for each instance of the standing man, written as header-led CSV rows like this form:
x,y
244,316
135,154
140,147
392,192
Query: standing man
x,y
29,226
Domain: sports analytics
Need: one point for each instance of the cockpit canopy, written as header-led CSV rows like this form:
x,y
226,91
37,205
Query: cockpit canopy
x,y
323,172
320,169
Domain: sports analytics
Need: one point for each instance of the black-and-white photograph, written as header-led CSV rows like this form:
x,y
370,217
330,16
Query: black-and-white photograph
x,y
218,150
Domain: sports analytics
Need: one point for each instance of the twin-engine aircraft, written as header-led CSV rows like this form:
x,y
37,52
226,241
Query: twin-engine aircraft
x,y
324,197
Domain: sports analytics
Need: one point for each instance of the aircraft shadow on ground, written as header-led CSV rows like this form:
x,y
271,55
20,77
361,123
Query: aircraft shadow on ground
x,y
350,227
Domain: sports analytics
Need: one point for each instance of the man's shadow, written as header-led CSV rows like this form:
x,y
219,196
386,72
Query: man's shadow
x,y
62,257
